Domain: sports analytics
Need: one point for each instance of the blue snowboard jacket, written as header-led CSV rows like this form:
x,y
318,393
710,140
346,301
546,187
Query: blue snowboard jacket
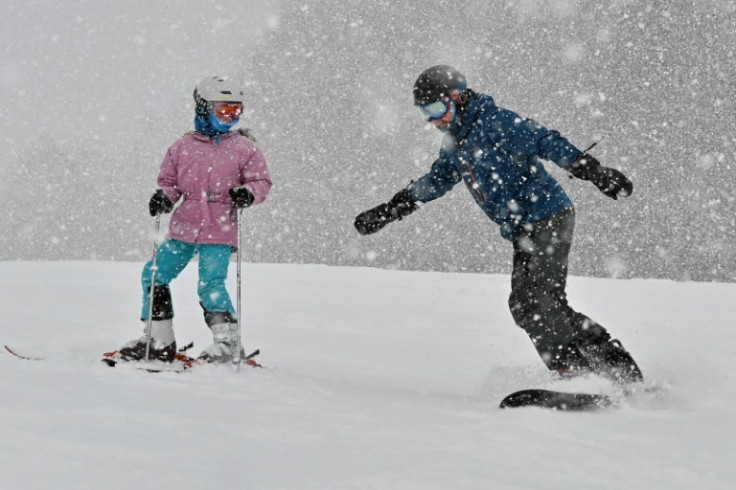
x,y
498,154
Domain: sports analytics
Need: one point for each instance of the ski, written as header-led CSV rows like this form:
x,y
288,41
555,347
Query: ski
x,y
21,356
557,400
181,363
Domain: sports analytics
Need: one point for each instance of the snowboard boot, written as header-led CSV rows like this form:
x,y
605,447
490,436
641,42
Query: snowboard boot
x,y
569,364
602,356
225,336
609,359
162,348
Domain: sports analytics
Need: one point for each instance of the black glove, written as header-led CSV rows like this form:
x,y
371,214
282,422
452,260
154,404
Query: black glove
x,y
160,203
402,204
242,197
610,181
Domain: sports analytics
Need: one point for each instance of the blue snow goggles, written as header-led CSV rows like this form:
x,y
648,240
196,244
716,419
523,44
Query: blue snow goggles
x,y
435,110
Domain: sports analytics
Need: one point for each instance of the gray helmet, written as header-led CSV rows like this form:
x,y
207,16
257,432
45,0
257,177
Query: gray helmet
x,y
216,89
437,82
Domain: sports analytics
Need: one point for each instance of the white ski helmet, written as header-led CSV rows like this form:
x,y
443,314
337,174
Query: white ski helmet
x,y
216,89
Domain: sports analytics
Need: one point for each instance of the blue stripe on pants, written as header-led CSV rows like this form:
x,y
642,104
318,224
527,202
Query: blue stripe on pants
x,y
174,255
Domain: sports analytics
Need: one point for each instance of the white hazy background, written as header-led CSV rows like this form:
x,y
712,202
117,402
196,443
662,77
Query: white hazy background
x,y
377,378
92,94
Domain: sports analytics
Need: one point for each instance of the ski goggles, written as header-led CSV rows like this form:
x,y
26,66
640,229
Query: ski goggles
x,y
435,110
228,110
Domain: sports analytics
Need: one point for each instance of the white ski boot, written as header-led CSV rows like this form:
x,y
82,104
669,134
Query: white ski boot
x,y
163,343
225,336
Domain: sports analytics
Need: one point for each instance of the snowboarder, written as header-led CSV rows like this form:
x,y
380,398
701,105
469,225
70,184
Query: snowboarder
x,y
498,155
212,170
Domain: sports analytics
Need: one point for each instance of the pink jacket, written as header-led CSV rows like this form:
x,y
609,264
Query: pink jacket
x,y
201,171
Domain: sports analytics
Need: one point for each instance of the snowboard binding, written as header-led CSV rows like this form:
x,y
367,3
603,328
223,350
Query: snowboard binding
x,y
602,356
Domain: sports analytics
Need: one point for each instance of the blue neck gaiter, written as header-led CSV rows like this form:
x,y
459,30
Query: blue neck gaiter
x,y
208,125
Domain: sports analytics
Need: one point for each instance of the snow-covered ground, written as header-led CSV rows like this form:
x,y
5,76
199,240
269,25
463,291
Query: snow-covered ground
x,y
376,380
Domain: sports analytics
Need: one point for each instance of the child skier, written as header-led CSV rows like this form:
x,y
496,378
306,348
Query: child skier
x,y
497,154
212,170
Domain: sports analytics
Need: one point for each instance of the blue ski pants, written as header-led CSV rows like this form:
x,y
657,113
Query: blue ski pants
x,y
174,255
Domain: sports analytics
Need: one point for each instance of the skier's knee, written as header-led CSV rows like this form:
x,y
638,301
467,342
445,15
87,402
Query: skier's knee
x,y
211,289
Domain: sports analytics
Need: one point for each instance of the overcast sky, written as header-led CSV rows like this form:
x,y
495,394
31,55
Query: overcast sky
x,y
92,94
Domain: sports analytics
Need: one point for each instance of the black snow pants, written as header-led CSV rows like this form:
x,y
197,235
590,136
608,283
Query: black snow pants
x,y
538,301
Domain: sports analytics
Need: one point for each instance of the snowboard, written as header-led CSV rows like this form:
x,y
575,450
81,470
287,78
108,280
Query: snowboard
x,y
557,400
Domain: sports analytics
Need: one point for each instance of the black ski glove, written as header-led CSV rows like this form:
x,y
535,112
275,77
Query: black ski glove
x,y
402,204
242,197
160,203
610,181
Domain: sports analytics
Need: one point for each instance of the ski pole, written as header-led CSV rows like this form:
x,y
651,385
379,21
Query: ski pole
x,y
154,268
239,256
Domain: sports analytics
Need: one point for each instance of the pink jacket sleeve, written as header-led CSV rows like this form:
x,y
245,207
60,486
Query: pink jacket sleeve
x,y
254,174
167,177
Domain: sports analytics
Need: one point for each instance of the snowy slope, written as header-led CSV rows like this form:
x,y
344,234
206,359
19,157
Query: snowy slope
x,y
377,379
